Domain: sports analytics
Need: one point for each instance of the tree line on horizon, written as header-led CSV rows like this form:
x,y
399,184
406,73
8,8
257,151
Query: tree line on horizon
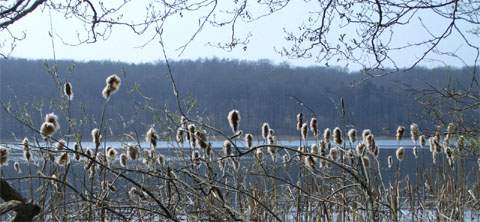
x,y
209,88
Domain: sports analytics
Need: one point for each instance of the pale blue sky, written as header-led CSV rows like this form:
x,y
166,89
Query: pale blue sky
x,y
267,34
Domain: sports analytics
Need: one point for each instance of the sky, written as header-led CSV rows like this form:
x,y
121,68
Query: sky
x,y
267,35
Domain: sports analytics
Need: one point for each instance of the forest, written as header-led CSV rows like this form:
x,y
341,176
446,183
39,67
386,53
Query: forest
x,y
261,90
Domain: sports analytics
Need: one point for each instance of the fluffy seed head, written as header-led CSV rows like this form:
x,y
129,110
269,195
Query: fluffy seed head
x,y
111,154
227,148
304,131
77,151
3,156
123,160
365,133
68,90
249,140
314,126
60,145
414,132
132,152
422,140
326,135
47,129
461,142
451,128
180,135
337,135
334,153
265,130
415,152
360,148
352,135
390,161
196,158
400,132
96,137
259,155
400,153
151,137
53,119
63,159
299,120
161,159
234,120
26,144
113,83
16,166
309,162
27,155
201,139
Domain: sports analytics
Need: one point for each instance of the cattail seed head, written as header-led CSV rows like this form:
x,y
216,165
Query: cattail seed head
x,y
309,162
334,153
265,130
77,151
53,119
352,135
415,152
400,153
365,133
68,90
196,158
375,151
286,158
461,143
151,137
326,135
96,137
111,154
337,135
47,129
133,152
27,155
390,161
360,148
249,140
414,132
304,131
422,140
180,136
60,145
191,135
451,129
201,139
349,154
161,159
63,159
314,126
271,132
299,121
123,160
234,120
113,83
3,156
26,144
259,155
400,132
227,148
17,168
